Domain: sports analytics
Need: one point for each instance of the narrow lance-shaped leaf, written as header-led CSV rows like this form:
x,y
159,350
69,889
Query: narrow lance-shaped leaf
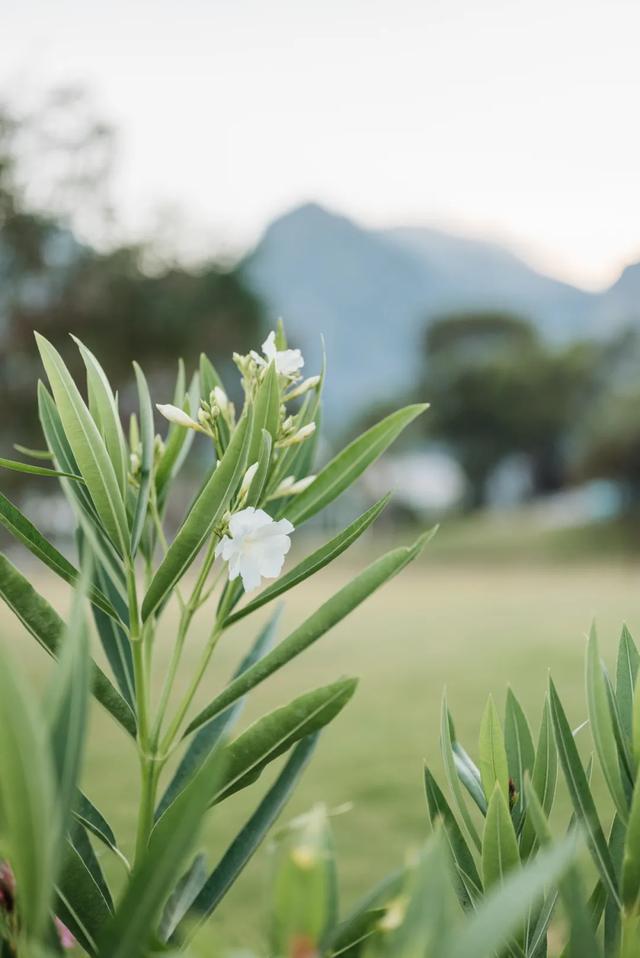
x,y
128,934
520,748
80,901
30,821
45,625
631,860
24,530
492,754
314,562
580,794
88,447
626,675
67,707
102,405
446,745
328,615
249,837
543,778
506,907
201,520
178,441
602,726
30,470
583,939
471,885
342,471
275,733
146,458
257,486
266,412
499,844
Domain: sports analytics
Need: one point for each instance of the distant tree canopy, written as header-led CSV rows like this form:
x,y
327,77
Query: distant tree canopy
x,y
496,389
51,281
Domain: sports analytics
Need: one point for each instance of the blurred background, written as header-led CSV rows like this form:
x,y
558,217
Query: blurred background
x,y
445,192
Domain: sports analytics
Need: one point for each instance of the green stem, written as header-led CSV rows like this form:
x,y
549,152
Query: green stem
x,y
186,617
194,685
149,773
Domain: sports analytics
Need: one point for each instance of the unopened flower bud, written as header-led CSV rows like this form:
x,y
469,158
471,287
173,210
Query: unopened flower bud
x,y
303,433
289,487
220,398
303,388
248,479
178,416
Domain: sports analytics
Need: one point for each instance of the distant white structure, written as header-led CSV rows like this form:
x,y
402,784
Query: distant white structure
x,y
429,481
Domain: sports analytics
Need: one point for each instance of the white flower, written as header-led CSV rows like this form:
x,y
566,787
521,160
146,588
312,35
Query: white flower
x,y
256,546
288,361
303,433
178,416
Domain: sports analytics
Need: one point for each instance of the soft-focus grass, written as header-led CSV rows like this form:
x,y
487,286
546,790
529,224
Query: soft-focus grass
x,y
472,627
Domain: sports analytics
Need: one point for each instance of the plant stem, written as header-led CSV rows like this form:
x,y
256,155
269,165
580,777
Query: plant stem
x,y
148,772
188,611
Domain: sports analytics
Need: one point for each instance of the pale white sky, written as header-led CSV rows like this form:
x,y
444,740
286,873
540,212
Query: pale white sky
x,y
512,118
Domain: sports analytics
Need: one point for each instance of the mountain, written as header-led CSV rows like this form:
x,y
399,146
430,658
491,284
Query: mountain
x,y
370,294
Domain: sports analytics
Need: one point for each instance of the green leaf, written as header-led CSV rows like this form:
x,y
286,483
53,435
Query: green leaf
x,y
431,910
67,707
88,447
46,626
79,838
210,734
172,840
19,526
499,843
178,441
275,733
266,412
520,748
32,453
631,861
323,619
37,470
258,482
209,378
147,434
492,753
30,825
81,903
207,510
250,836
446,745
88,815
314,562
580,794
103,407
342,471
583,939
77,494
183,896
471,885
469,775
602,726
505,908
115,643
626,675
543,778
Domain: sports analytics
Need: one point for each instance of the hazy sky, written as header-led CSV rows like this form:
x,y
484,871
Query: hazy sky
x,y
512,118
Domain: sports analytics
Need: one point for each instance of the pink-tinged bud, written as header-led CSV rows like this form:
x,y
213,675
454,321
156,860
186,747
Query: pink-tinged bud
x,y
7,887
64,935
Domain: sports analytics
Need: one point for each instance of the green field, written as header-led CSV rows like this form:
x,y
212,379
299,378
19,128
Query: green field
x,y
475,627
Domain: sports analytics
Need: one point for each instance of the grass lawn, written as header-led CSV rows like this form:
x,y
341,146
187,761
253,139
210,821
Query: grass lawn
x,y
475,627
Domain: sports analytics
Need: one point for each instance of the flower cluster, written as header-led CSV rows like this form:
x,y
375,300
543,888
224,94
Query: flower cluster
x,y
252,543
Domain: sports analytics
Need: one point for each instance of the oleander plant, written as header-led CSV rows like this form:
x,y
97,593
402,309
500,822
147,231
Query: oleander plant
x,y
493,879
257,487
